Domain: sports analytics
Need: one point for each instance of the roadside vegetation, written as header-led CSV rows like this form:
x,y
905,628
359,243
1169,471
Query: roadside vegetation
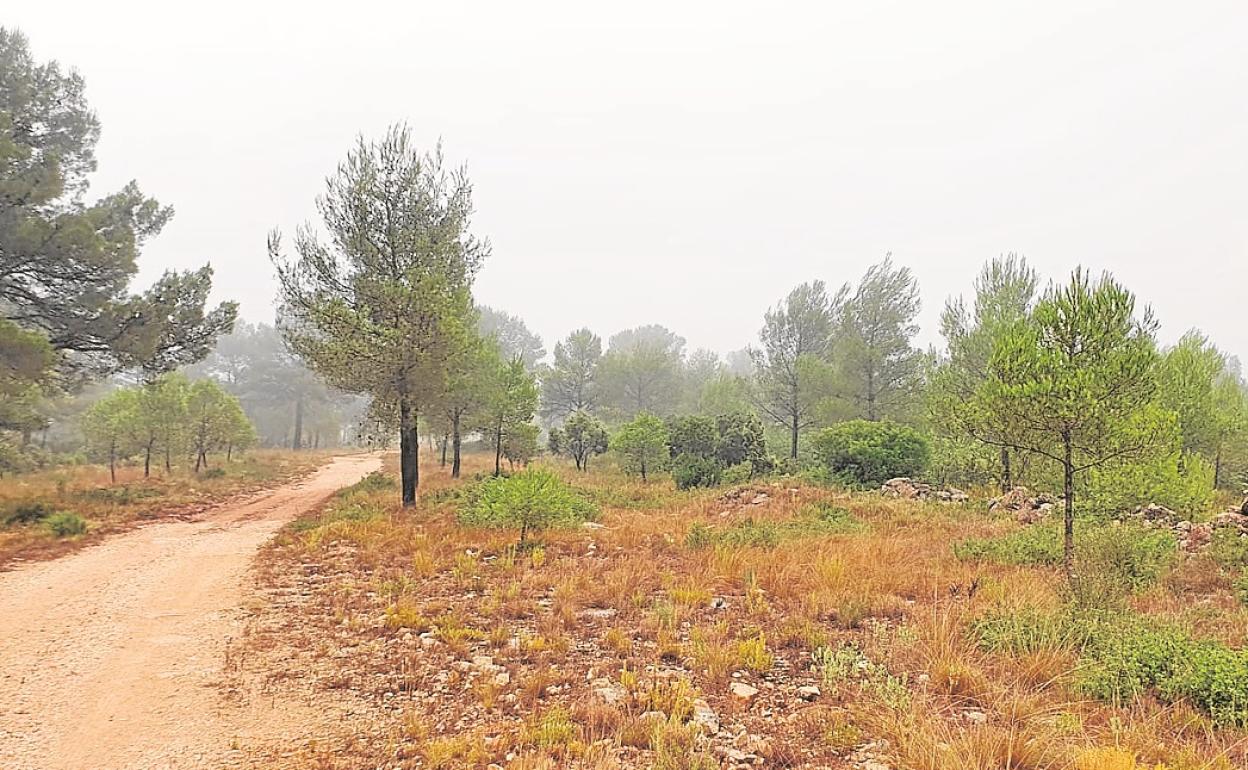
x,y
802,622
46,513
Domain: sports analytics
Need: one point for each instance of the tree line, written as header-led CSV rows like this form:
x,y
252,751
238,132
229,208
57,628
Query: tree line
x,y
168,418
1066,381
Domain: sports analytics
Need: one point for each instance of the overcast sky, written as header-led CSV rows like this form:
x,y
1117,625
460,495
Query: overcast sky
x,y
688,163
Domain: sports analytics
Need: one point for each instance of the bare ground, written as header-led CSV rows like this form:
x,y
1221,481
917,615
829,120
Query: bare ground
x,y
118,656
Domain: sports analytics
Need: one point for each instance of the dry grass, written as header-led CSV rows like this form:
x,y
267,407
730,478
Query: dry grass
x,y
635,609
110,507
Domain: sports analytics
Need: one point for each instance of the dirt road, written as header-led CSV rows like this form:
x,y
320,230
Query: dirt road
x,y
109,657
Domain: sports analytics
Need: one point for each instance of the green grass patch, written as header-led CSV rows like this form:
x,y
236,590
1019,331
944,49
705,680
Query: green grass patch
x,y
813,520
1123,655
531,501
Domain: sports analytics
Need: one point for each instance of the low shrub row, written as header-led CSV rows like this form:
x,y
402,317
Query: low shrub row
x,y
1125,655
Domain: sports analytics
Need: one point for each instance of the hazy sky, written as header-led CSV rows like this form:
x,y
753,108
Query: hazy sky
x,y
688,163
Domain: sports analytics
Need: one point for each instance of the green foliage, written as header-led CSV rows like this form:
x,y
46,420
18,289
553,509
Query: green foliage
x,y
739,439
641,372
532,500
373,482
642,445
691,470
865,453
813,520
65,262
508,407
1181,482
1110,560
520,444
66,524
1240,586
382,307
797,330
737,474
878,370
571,385
581,437
692,435
1228,548
24,512
1038,545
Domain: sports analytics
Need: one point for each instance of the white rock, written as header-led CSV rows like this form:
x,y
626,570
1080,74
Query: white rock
x,y
743,691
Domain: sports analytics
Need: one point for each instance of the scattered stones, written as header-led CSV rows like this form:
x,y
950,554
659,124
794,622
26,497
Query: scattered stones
x,y
718,603
601,613
743,691
705,717
975,716
809,692
593,525
610,693
1027,508
906,488
1153,514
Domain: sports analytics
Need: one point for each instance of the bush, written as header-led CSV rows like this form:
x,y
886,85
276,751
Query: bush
x,y
1240,587
1183,483
1228,548
214,473
741,440
17,514
864,453
66,524
737,474
373,482
693,435
533,500
689,471
1113,561
1122,656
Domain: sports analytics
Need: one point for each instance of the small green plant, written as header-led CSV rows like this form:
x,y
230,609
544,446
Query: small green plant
x,y
1037,545
66,524
531,500
753,654
848,664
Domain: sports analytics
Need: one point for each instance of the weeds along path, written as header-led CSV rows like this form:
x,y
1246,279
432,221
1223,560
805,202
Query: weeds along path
x,y
111,657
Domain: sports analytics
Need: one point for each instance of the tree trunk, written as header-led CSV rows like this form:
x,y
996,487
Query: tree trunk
x,y
1068,537
147,459
456,443
643,467
793,438
112,461
409,453
498,450
1217,468
1007,478
168,458
229,452
446,439
296,443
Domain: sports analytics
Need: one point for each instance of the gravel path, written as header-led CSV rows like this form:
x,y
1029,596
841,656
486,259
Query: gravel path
x,y
110,657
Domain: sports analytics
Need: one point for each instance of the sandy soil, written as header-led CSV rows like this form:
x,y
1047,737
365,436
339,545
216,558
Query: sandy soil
x,y
114,657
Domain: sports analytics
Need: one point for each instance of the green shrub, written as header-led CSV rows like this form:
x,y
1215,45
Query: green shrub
x,y
1125,655
693,435
865,453
830,518
1228,548
1113,561
373,482
689,471
740,439
20,513
532,500
1183,483
814,520
66,524
1037,545
737,474
1240,587
350,511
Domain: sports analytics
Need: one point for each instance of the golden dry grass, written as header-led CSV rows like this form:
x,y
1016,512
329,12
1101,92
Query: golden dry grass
x,y
631,605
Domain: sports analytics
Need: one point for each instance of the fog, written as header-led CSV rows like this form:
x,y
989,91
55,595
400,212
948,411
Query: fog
x,y
687,164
